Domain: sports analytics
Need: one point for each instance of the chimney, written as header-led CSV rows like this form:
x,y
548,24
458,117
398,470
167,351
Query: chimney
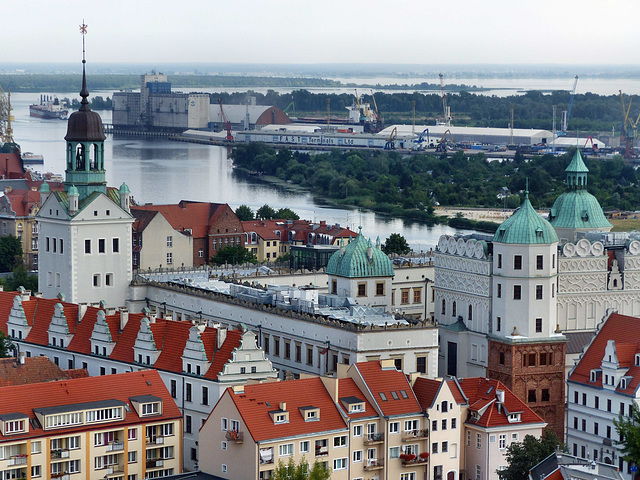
x,y
22,357
500,396
124,318
82,309
283,406
222,336
331,384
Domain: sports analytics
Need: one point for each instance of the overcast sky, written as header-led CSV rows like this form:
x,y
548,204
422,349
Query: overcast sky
x,y
324,31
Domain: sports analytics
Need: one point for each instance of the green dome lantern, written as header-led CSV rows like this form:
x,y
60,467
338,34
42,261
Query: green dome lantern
x,y
360,259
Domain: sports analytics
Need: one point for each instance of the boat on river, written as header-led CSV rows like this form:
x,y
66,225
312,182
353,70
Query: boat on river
x,y
49,108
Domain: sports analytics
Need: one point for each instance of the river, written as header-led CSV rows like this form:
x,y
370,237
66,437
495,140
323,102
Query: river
x,y
161,171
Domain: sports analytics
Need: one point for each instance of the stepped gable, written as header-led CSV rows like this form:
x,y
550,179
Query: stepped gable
x,y
625,332
35,370
347,388
481,393
39,312
525,227
210,341
222,356
258,400
385,380
85,390
426,391
360,259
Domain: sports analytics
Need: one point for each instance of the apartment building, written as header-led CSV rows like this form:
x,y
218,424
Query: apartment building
x,y
119,427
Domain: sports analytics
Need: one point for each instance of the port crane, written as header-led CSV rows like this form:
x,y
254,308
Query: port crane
x,y
567,113
444,145
419,143
446,110
227,123
379,120
629,129
391,142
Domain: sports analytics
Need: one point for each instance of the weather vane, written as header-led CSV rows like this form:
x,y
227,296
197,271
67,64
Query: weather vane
x,y
83,32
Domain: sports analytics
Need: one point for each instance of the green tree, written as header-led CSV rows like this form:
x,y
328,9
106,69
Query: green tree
x,y
265,212
5,345
629,430
244,213
301,471
287,214
235,255
396,243
10,253
522,456
20,277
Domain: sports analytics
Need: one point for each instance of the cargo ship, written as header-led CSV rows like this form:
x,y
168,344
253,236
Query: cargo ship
x,y
49,107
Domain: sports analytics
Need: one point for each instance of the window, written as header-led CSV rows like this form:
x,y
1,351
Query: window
x,y
380,288
357,430
499,260
502,441
224,424
362,289
538,325
434,425
470,316
445,447
404,296
304,446
151,408
310,355
545,395
61,245
454,308
444,307
394,452
169,258
478,440
517,292
285,450
205,395
224,468
108,279
454,422
417,295
394,427
340,441
538,292
174,388
357,456
478,472
421,364
132,457
96,280
468,438
340,464
499,293
36,446
169,241
539,262
201,253
434,447
287,349
132,434
517,262
101,245
276,346
187,424
36,471
531,396
87,246
499,324
188,392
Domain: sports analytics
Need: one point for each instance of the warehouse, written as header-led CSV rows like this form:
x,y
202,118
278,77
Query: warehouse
x,y
246,117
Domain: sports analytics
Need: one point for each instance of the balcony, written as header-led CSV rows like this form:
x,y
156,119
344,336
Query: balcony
x,y
155,440
155,463
115,470
17,460
115,447
321,451
373,438
60,476
58,454
374,464
409,459
234,436
414,435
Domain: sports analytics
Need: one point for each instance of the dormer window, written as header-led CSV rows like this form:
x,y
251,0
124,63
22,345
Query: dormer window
x,y
595,373
147,405
353,404
151,408
623,384
514,417
13,426
356,408
281,418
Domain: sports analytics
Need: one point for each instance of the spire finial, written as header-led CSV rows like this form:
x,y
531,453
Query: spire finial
x,y
526,191
84,93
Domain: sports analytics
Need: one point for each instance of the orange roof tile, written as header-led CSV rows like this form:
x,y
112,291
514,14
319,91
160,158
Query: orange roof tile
x,y
385,381
348,388
35,370
82,390
457,393
258,400
123,349
426,391
222,356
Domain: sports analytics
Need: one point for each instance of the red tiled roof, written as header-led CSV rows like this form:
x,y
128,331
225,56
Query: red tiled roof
x,y
11,165
263,231
258,400
348,388
82,390
482,392
222,356
35,370
123,349
171,338
426,391
625,332
457,394
22,201
386,381
6,303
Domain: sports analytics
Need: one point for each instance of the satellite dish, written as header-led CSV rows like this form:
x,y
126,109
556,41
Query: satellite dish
x,y
583,248
443,243
452,245
461,247
569,250
597,249
634,247
471,248
479,250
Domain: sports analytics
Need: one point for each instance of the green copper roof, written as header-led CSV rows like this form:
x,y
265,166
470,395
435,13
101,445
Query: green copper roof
x,y
577,164
45,188
124,188
72,190
578,209
360,259
525,226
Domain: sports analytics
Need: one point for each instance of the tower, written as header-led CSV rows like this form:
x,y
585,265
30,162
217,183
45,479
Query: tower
x,y
526,351
84,242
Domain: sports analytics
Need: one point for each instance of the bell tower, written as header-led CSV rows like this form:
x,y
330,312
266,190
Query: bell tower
x,y
85,146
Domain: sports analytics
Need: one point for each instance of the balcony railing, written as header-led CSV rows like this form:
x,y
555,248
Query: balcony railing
x,y
17,460
115,470
60,476
373,438
115,446
409,459
374,464
57,454
321,451
155,440
234,436
415,435
155,463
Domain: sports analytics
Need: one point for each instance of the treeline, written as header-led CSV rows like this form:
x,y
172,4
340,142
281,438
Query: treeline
x,y
410,186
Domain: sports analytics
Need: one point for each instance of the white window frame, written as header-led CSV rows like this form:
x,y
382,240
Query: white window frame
x,y
285,450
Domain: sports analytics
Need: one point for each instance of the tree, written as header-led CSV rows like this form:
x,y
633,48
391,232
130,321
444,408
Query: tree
x,y
10,253
301,471
20,278
233,255
396,243
629,430
287,214
523,456
265,212
5,345
244,213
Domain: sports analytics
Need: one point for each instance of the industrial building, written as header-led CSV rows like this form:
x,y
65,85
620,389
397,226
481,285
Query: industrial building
x,y
245,117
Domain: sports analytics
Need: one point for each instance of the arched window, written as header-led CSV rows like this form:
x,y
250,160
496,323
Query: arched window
x,y
444,306
470,313
454,309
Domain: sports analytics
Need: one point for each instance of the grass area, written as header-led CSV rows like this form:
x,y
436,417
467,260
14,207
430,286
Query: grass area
x,y
625,225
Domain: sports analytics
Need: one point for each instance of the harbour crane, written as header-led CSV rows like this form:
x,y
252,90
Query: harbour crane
x,y
419,143
567,113
227,123
379,120
629,129
391,143
447,112
291,106
443,145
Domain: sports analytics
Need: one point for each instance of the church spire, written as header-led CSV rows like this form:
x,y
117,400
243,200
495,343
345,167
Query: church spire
x,y
84,93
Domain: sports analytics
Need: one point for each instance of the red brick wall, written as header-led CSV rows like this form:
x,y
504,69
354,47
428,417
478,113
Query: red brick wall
x,y
225,227
521,378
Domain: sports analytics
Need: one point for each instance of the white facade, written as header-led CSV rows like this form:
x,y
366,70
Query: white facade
x,y
86,257
164,247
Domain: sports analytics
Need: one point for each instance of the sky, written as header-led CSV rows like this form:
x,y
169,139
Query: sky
x,y
324,31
